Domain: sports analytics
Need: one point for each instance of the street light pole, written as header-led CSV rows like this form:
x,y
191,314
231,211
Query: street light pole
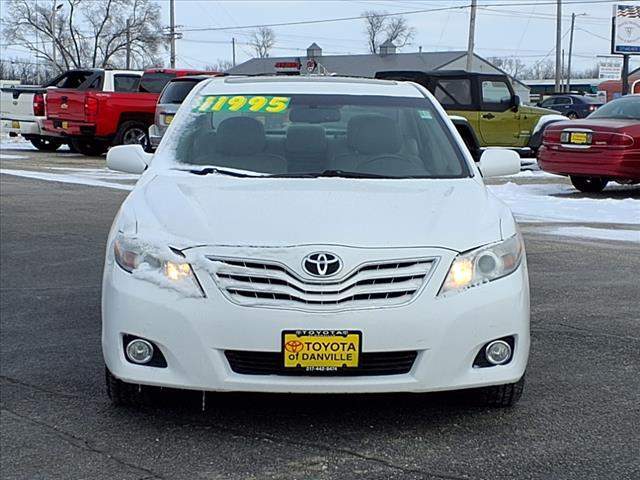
x,y
573,21
558,46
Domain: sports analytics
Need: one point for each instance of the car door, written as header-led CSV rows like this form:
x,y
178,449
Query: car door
x,y
563,105
499,120
456,97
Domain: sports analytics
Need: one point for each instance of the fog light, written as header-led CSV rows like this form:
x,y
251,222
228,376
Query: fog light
x,y
139,351
498,352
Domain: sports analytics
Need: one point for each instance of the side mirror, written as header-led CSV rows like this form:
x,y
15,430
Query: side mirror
x,y
128,158
515,102
496,162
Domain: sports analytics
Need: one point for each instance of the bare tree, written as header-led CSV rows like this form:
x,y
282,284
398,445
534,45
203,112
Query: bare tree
x,y
380,27
219,66
21,69
512,66
86,34
262,40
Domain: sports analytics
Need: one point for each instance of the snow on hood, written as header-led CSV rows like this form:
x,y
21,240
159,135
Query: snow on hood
x,y
217,210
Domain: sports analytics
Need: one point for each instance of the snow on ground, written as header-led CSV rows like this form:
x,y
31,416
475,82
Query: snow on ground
x,y
78,179
550,202
597,233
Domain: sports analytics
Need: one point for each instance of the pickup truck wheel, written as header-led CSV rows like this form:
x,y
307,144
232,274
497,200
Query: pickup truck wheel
x,y
46,144
127,394
499,395
589,184
132,133
90,148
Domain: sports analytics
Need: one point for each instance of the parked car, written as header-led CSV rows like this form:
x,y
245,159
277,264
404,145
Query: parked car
x,y
572,106
23,107
172,96
93,118
601,148
314,235
488,102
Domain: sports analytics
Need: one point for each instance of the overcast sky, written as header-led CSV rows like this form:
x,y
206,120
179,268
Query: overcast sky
x,y
509,28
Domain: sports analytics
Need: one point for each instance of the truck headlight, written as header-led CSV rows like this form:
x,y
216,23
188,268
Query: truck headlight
x,y
484,264
156,264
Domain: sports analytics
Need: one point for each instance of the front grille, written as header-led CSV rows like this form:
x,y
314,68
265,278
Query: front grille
x,y
258,283
270,363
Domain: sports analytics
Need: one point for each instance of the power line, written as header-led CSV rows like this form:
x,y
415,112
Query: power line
x,y
394,14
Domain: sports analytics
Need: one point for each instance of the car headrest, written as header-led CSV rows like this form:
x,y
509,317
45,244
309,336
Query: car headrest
x,y
305,139
373,134
240,136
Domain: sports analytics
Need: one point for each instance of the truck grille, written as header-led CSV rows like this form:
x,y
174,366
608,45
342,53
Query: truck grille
x,y
270,363
258,283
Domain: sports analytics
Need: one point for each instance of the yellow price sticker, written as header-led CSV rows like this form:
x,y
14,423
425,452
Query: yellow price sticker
x,y
241,103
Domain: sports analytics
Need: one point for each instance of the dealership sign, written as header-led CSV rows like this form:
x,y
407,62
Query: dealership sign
x,y
626,29
609,68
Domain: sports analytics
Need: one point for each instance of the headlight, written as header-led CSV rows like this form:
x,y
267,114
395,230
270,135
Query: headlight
x,y
157,264
484,264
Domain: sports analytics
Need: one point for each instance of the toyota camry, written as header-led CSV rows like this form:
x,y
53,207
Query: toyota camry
x,y
314,235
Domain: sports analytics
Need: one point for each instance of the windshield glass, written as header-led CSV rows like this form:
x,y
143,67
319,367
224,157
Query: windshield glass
x,y
626,107
300,134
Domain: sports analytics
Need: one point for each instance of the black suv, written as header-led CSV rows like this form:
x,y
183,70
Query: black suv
x,y
572,106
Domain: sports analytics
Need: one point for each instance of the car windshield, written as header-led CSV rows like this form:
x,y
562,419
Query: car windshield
x,y
625,107
359,136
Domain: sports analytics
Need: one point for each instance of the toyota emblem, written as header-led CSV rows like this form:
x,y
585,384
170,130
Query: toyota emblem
x,y
322,264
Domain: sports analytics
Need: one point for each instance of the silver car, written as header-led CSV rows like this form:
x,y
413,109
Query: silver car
x,y
172,96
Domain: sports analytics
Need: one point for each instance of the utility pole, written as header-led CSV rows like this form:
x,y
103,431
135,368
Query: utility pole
x,y
233,50
172,32
625,74
128,44
573,21
558,46
472,33
54,52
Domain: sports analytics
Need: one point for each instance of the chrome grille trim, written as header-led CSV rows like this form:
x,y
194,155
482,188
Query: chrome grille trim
x,y
271,284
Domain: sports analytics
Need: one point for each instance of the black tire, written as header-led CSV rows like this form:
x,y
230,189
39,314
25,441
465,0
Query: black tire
x,y
90,148
46,144
572,115
499,395
127,394
589,184
132,133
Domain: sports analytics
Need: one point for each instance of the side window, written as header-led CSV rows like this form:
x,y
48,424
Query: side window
x,y
563,101
548,102
453,93
495,92
126,83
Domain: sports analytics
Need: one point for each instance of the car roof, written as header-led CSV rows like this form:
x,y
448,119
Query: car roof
x,y
312,84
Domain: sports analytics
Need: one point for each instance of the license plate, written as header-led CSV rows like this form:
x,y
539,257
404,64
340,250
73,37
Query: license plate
x,y
321,350
65,125
168,119
580,138
15,124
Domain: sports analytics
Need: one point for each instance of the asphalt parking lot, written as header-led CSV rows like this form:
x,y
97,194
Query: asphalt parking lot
x,y
578,417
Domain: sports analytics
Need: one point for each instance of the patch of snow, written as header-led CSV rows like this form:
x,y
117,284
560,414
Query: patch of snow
x,y
4,156
598,233
540,203
75,179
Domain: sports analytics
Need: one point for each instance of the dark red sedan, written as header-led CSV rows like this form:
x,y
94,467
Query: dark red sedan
x,y
603,147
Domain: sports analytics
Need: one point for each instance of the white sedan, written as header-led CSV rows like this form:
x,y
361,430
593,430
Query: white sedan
x,y
314,235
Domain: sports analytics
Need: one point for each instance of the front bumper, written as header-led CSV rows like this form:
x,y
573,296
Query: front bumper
x,y
193,333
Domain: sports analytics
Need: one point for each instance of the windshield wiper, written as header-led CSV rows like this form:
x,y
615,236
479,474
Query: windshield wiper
x,y
219,171
328,173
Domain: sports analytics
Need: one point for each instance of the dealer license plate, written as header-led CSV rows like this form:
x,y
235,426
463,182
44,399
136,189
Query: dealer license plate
x,y
576,138
321,350
168,119
15,124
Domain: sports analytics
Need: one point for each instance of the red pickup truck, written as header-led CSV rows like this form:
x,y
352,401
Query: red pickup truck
x,y
94,119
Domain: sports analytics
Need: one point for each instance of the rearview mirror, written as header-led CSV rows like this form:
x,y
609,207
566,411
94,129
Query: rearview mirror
x,y
128,158
496,162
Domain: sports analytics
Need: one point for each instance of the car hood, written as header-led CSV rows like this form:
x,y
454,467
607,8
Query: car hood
x,y
220,210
